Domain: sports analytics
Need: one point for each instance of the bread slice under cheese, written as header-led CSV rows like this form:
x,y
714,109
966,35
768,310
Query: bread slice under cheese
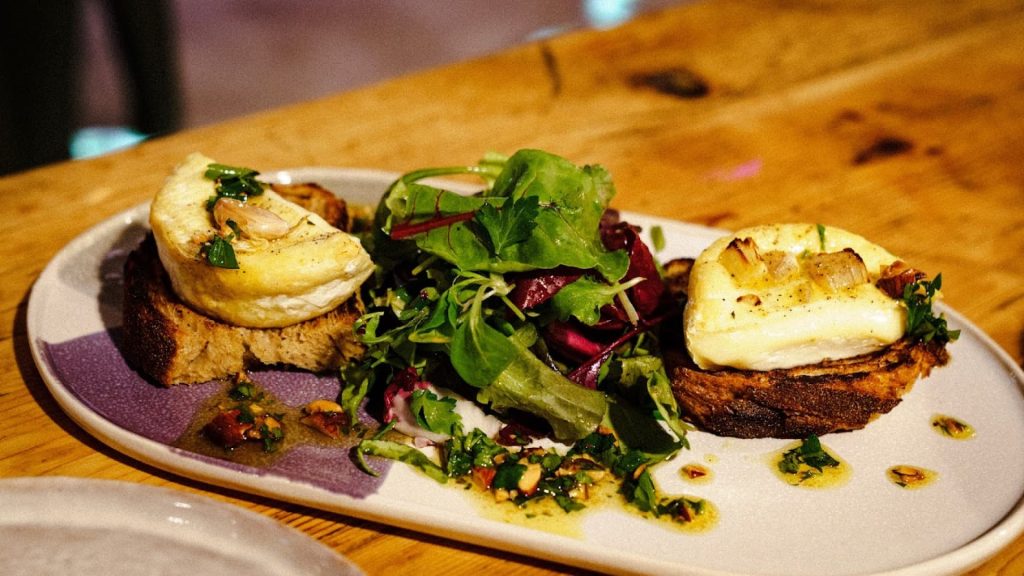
x,y
829,396
171,343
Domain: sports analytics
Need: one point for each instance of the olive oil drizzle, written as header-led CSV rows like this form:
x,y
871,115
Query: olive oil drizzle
x,y
810,464
910,477
952,427
254,453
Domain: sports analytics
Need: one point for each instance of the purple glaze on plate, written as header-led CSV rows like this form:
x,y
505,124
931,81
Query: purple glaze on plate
x,y
92,369
330,468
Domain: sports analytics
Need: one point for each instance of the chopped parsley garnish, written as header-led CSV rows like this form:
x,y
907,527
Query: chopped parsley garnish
x,y
271,436
219,252
565,479
657,238
922,323
808,459
231,182
244,390
821,236
507,475
473,450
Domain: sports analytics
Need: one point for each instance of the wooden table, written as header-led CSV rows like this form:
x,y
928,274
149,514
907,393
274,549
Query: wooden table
x,y
901,121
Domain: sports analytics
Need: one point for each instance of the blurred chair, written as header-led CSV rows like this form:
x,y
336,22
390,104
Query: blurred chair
x,y
40,43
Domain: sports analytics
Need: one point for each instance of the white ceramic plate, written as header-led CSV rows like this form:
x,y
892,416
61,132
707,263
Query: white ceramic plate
x,y
766,527
62,526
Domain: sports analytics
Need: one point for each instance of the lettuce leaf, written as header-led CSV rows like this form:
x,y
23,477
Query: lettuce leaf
x,y
565,230
530,385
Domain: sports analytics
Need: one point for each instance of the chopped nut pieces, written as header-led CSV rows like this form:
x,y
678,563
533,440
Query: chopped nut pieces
x,y
325,416
247,419
898,276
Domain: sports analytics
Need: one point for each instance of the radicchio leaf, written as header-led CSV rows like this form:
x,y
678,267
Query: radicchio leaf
x,y
396,405
646,296
535,288
568,340
588,373
516,434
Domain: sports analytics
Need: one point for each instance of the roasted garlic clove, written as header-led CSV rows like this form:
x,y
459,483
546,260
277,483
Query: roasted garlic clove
x,y
743,261
780,264
835,271
251,221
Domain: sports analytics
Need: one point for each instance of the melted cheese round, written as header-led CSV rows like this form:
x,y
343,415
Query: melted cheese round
x,y
280,281
776,310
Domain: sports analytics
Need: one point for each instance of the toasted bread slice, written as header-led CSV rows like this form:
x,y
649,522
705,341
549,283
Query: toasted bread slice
x,y
830,396
171,343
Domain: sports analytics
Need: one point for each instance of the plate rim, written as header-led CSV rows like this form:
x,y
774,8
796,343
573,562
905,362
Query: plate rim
x,y
289,545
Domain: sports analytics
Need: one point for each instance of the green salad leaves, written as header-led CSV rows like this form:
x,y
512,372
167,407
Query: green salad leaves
x,y
540,213
447,299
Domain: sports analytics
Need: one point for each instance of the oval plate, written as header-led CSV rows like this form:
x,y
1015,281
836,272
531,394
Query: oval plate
x,y
766,527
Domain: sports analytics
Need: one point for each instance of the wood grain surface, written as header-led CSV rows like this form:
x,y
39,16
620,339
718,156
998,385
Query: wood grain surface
x,y
902,121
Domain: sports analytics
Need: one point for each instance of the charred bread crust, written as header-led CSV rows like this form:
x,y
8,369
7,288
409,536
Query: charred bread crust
x,y
831,396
